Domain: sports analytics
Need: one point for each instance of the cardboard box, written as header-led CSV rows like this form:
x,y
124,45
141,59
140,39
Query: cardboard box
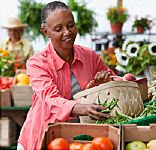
x,y
22,95
133,132
69,130
5,98
7,132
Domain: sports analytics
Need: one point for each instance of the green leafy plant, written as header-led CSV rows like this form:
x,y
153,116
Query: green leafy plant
x,y
142,22
117,14
30,13
85,18
134,57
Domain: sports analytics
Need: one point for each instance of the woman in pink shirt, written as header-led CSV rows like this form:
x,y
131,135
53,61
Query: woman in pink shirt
x,y
57,73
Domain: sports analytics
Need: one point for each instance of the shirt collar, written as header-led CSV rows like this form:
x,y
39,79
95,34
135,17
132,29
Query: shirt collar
x,y
60,62
18,42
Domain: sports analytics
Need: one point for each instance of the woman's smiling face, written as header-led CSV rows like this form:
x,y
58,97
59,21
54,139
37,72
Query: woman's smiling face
x,y
61,28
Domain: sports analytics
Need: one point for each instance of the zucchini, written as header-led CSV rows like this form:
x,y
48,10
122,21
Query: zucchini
x,y
83,137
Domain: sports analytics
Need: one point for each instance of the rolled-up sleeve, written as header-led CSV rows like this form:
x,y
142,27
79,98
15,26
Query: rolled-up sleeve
x,y
46,90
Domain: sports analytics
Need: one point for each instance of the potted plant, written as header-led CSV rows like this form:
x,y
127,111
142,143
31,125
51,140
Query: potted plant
x,y
135,57
142,24
117,16
85,21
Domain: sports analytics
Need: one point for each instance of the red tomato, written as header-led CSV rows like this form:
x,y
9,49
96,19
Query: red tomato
x,y
88,146
6,82
75,146
103,143
58,144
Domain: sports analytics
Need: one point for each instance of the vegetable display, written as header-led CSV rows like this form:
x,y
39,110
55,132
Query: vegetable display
x,y
119,118
98,143
139,145
136,145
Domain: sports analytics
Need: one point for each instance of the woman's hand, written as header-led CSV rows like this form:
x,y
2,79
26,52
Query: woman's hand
x,y
100,77
91,110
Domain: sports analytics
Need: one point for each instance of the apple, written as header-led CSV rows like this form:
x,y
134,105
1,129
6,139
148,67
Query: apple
x,y
129,77
136,145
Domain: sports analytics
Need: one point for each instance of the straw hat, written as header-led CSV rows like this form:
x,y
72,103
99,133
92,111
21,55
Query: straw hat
x,y
14,23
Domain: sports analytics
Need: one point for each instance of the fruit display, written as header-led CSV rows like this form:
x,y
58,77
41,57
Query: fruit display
x,y
151,145
21,89
22,79
98,143
139,145
136,145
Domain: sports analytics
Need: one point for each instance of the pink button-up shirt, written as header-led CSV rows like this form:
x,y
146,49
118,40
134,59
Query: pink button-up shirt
x,y
51,83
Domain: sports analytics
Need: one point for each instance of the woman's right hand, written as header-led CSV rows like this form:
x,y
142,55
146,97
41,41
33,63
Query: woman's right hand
x,y
91,110
100,78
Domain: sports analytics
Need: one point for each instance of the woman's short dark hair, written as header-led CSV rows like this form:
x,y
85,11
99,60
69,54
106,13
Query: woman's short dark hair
x,y
50,7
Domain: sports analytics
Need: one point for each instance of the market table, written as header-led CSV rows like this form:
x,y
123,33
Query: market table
x,y
18,114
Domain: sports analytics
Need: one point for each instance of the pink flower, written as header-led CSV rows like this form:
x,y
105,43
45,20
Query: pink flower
x,y
120,11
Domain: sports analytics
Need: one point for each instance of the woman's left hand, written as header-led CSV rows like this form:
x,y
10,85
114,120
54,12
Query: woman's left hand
x,y
100,77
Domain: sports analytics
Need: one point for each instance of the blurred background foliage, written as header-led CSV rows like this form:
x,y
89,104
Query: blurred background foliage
x,y
30,13
86,21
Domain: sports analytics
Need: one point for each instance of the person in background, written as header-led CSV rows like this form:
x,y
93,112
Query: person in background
x,y
57,73
15,42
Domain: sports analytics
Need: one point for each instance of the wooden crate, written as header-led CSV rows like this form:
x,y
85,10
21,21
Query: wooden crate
x,y
22,95
5,98
69,130
7,132
133,132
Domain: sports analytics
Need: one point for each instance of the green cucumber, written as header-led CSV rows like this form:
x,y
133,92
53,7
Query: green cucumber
x,y
83,137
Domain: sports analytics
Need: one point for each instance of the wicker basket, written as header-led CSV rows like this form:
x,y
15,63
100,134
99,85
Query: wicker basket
x,y
124,91
142,83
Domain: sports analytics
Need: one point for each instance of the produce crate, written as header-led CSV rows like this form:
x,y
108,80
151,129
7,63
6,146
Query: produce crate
x,y
22,95
133,132
5,98
7,132
69,130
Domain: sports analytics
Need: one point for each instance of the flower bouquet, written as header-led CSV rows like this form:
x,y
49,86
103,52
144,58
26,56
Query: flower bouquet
x,y
134,57
9,62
